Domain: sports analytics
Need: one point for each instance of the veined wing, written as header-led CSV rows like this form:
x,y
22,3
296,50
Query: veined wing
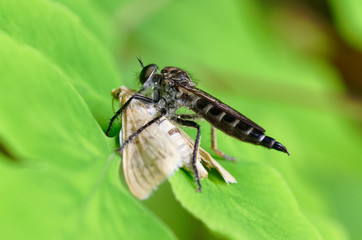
x,y
150,158
225,108
185,146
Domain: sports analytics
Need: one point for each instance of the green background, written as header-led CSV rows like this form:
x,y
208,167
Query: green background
x,y
59,61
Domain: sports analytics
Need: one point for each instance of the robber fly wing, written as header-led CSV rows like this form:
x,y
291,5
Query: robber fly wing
x,y
225,108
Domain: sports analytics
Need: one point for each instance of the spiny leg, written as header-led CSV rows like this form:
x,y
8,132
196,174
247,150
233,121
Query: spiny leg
x,y
130,138
217,151
196,147
138,97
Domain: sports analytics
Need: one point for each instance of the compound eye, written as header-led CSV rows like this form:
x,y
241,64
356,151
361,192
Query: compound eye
x,y
147,71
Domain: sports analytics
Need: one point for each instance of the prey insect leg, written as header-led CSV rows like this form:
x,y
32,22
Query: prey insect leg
x,y
217,151
138,97
196,146
163,113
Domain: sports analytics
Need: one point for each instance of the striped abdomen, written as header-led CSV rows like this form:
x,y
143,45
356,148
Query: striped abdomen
x,y
233,124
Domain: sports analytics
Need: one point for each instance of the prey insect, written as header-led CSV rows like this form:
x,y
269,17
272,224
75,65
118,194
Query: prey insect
x,y
159,150
172,89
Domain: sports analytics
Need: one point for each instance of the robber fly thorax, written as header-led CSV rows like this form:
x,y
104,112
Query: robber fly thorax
x,y
166,91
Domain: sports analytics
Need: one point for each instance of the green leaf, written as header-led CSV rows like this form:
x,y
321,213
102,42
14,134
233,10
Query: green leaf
x,y
60,177
58,34
93,18
259,206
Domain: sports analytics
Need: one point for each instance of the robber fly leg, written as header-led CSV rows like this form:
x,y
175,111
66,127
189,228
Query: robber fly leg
x,y
213,135
196,146
217,151
163,113
136,96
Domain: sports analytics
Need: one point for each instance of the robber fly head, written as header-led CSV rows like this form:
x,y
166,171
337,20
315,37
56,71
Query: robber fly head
x,y
148,72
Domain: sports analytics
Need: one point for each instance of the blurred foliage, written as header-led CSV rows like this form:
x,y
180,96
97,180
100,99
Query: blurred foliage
x,y
281,64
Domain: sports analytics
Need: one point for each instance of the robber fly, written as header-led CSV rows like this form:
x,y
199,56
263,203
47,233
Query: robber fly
x,y
158,151
172,89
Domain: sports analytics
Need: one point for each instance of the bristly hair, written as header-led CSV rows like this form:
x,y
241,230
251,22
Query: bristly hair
x,y
140,61
194,80
137,73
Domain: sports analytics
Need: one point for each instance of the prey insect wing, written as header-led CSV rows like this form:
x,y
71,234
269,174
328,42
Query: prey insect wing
x,y
149,158
158,150
209,161
185,146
